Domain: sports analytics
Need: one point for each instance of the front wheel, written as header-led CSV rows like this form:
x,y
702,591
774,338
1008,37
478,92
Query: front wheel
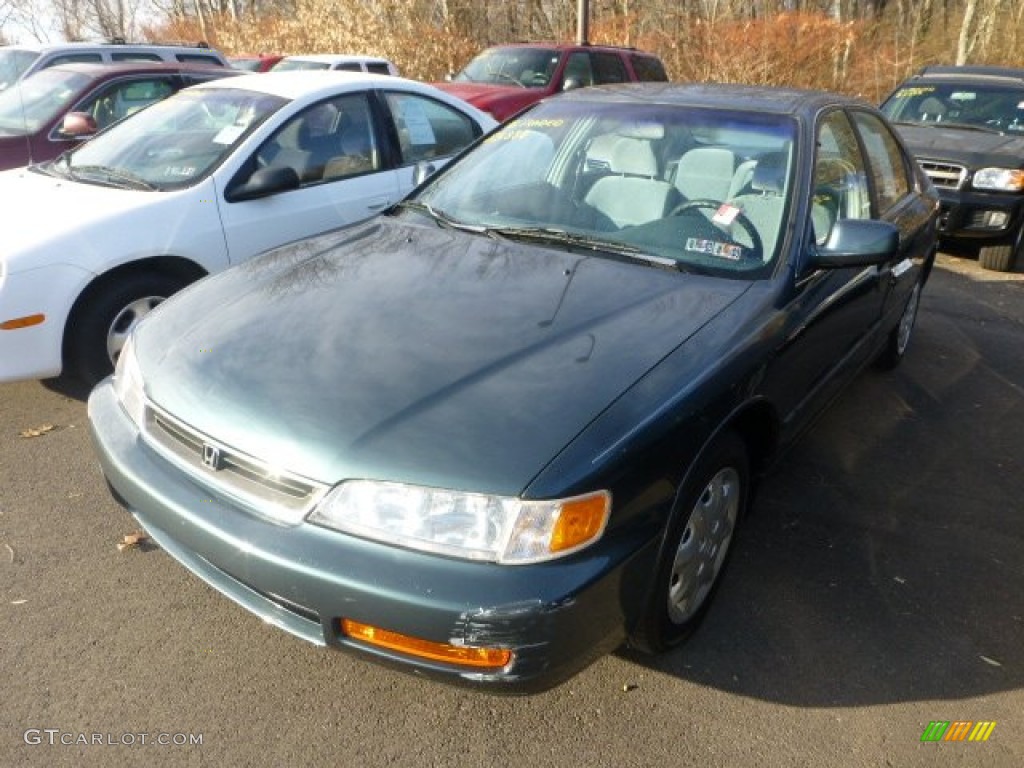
x,y
697,545
101,323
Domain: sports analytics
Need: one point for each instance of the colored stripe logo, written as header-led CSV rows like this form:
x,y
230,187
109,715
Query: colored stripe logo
x,y
958,730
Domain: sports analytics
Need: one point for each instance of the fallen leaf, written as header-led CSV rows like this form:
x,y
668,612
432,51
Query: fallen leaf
x,y
18,602
37,431
132,540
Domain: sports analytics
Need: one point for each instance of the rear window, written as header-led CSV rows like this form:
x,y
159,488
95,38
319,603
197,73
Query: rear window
x,y
135,56
649,69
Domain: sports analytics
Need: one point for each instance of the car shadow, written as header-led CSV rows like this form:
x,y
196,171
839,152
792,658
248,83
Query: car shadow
x,y
882,560
68,386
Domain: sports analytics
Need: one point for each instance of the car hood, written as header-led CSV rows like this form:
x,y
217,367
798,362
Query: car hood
x,y
486,97
49,209
15,151
412,353
976,149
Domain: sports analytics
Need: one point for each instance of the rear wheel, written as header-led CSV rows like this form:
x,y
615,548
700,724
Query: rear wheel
x,y
697,546
899,337
101,324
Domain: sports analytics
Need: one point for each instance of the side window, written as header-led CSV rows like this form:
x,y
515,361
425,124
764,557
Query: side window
x,y
578,70
135,56
840,179
349,66
608,68
193,58
378,68
888,169
427,128
648,69
71,58
118,100
331,140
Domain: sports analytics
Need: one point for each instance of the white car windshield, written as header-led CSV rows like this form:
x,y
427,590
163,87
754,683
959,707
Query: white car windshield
x,y
28,105
172,143
693,189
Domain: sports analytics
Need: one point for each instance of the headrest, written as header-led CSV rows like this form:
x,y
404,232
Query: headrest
x,y
634,157
770,174
637,130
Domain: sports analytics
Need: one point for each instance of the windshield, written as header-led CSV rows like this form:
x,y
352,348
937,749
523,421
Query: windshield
x,y
702,190
13,63
174,142
29,104
287,65
988,107
526,67
249,65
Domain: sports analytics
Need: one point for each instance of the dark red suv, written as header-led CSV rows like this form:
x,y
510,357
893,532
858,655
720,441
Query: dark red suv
x,y
32,112
506,78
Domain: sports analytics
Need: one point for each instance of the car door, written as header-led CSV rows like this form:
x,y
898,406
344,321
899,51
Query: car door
x,y
425,130
897,200
831,314
339,152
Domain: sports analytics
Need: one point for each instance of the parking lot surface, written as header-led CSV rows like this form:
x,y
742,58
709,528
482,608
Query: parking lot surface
x,y
876,588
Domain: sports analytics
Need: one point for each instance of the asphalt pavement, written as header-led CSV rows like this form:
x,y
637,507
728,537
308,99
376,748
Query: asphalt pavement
x,y
876,588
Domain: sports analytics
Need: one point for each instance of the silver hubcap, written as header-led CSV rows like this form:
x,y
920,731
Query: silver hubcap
x,y
907,320
125,322
703,545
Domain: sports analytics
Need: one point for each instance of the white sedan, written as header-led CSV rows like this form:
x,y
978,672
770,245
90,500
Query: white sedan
x,y
200,181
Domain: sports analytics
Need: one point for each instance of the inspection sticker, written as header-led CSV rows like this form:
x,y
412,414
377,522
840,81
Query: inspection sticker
x,y
714,248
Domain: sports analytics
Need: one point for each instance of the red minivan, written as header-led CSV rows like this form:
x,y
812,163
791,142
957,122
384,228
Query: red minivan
x,y
506,78
33,110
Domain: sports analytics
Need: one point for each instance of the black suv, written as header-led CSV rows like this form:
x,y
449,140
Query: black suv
x,y
965,126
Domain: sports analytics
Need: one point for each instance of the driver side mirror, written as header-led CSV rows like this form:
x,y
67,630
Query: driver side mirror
x,y
857,243
263,183
78,125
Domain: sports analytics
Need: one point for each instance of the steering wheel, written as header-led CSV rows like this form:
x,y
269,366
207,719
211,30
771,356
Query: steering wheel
x,y
506,76
756,249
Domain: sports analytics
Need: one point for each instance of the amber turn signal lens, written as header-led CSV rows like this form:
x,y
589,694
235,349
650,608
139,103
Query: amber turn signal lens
x,y
489,658
580,521
22,322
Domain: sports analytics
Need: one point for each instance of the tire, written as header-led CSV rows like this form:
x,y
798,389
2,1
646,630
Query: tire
x,y
697,546
998,258
896,344
103,318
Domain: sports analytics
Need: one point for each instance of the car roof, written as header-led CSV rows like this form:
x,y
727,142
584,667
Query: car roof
x,y
101,71
948,72
556,46
335,58
295,84
47,47
772,99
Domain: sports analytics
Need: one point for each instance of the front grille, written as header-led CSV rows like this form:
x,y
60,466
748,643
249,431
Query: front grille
x,y
278,495
944,175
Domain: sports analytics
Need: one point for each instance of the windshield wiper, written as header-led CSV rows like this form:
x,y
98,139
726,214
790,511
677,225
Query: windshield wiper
x,y
113,176
577,240
441,217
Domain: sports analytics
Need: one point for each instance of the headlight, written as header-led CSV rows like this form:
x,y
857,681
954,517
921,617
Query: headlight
x,y
474,526
128,383
1002,179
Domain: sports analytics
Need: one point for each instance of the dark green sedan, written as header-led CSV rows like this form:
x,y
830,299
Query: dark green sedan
x,y
514,422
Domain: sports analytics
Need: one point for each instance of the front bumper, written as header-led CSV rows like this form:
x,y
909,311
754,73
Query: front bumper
x,y
556,617
983,218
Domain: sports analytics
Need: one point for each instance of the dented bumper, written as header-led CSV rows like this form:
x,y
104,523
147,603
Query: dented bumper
x,y
554,617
